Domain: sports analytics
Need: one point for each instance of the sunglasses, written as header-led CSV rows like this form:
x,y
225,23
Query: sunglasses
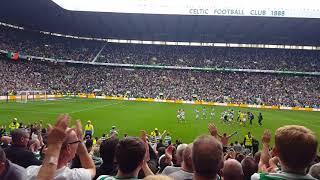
x,y
75,142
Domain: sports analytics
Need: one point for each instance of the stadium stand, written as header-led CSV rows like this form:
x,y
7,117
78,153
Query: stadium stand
x,y
249,88
41,45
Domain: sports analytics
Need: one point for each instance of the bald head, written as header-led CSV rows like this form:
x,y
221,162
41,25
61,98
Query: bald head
x,y
69,148
179,153
232,170
207,156
71,137
187,158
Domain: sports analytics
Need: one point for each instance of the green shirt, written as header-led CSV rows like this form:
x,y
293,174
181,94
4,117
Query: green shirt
x,y
280,176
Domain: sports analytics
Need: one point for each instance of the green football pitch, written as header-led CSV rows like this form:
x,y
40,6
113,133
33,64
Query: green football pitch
x,y
131,117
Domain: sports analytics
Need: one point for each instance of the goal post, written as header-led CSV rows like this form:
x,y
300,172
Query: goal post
x,y
25,96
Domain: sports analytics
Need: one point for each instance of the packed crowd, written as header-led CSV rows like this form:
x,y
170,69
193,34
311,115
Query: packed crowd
x,y
238,58
60,152
41,45
250,88
36,44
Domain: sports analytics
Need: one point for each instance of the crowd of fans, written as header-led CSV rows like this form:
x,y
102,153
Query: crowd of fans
x,y
250,88
238,58
61,152
36,44
41,45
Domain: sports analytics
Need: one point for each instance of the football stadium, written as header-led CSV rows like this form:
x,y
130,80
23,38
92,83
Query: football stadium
x,y
159,89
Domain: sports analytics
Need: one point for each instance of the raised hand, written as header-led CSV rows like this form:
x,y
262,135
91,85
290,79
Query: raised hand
x,y
143,135
57,133
212,129
78,130
266,137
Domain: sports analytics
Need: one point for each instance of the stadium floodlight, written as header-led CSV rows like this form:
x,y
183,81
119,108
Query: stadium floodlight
x,y
266,8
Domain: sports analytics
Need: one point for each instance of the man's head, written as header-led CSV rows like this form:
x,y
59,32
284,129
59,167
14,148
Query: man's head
x,y
89,144
296,147
20,137
232,170
187,159
249,167
3,161
14,120
89,122
108,149
130,153
224,134
207,156
69,147
315,171
179,153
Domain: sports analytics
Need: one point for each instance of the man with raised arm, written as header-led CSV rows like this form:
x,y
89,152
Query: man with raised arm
x,y
63,144
295,148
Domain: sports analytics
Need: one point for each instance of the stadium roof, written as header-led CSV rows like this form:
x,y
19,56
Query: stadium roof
x,y
47,16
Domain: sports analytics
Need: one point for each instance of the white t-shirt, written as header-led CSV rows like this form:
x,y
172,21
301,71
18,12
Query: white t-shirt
x,y
64,173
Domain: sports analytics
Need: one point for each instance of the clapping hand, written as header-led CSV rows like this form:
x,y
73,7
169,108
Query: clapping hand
x,y
212,129
266,137
58,133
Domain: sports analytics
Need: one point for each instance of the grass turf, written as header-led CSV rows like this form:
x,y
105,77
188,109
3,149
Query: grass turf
x,y
130,117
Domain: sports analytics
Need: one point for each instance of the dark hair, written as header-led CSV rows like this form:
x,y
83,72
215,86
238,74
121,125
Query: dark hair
x,y
161,151
107,149
130,153
249,167
240,157
17,134
89,143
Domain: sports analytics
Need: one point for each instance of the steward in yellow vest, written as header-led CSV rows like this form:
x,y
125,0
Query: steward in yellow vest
x,y
14,125
88,129
248,141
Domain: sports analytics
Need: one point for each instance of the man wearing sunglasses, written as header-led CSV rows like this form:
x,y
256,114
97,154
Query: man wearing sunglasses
x,y
57,159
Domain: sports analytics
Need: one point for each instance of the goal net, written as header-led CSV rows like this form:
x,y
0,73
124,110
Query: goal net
x,y
25,96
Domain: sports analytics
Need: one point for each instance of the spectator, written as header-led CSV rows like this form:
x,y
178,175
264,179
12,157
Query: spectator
x,y
71,146
186,171
107,153
18,152
207,157
9,170
179,155
232,170
249,167
315,171
296,148
160,144
130,154
225,140
237,146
